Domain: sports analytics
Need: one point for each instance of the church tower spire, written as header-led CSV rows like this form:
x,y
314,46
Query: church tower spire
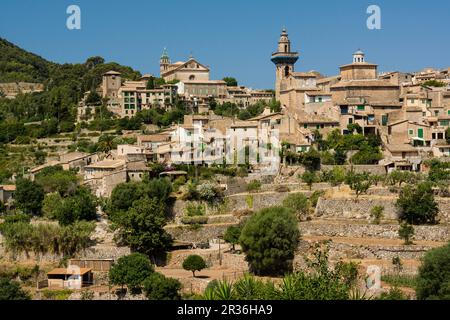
x,y
284,60
164,62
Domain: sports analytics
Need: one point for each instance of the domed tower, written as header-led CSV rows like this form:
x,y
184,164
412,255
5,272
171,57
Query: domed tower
x,y
164,62
358,56
284,60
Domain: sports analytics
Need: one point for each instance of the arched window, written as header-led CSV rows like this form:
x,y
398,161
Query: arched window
x,y
192,77
286,71
285,48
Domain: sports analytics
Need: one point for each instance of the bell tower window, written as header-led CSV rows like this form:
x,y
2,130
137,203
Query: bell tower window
x,y
286,71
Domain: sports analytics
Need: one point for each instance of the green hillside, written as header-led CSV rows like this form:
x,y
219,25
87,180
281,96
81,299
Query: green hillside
x,y
64,84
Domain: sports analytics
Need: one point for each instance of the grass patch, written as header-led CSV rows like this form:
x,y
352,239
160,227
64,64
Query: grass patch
x,y
56,294
406,281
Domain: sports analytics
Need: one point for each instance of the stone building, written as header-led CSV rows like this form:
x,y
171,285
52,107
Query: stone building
x,y
190,70
361,94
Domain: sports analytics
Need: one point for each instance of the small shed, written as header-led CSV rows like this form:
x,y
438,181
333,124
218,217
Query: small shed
x,y
72,277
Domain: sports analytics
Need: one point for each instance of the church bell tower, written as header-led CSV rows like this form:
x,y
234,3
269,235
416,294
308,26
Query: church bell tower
x,y
284,60
164,62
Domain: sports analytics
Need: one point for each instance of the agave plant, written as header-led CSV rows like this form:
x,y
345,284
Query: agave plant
x,y
209,294
224,291
357,294
288,289
248,288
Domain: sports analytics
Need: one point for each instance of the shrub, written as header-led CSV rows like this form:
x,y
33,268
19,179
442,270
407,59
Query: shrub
x,y
297,202
337,176
314,198
232,235
269,240
358,182
193,210
254,186
180,181
397,280
158,287
398,265
311,160
56,294
194,220
191,192
209,192
309,177
10,290
242,172
406,233
376,213
433,281
87,295
194,263
393,294
249,200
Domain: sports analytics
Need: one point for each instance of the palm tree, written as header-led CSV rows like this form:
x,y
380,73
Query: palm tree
x,y
106,143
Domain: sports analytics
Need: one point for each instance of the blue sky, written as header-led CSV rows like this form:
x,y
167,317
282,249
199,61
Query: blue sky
x,y
234,37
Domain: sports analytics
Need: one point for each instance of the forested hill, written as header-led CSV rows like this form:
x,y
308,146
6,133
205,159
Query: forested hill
x,y
64,86
18,65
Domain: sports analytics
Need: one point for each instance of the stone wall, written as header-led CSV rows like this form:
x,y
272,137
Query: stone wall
x,y
348,251
229,261
235,203
352,208
257,201
12,89
204,233
383,231
373,169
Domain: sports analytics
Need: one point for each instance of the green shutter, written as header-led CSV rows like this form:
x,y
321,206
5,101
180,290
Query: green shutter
x,y
420,133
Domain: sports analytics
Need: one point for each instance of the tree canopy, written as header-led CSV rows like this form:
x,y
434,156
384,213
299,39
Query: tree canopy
x,y
131,271
11,290
230,81
269,239
417,204
433,282
159,287
194,263
28,196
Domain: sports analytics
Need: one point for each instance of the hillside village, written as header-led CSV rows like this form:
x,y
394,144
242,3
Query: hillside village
x,y
169,166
